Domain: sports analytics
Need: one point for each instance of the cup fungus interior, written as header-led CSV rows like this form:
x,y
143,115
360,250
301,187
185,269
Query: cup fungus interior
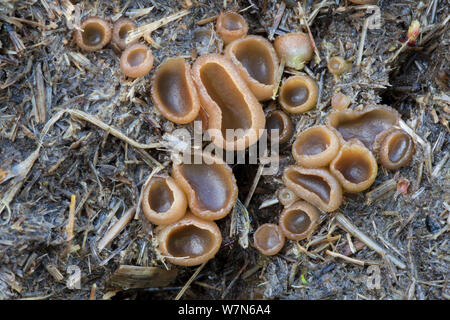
x,y
312,142
211,187
232,21
267,237
136,57
256,59
295,94
297,221
398,146
355,167
222,89
172,88
312,183
160,196
189,241
93,33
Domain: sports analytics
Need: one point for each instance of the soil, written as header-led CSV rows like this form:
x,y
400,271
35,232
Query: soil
x,y
48,153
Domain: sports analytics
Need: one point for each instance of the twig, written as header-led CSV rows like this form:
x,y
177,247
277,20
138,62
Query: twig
x,y
348,259
188,283
276,21
362,42
71,220
116,229
225,292
311,38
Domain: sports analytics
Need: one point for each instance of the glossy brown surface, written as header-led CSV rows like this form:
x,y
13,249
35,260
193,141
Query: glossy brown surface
x,y
363,1
174,93
257,63
396,150
364,125
136,60
295,48
163,201
120,32
338,66
268,239
355,167
278,120
94,34
210,186
298,94
315,147
231,26
317,186
286,196
299,220
228,102
189,241
340,101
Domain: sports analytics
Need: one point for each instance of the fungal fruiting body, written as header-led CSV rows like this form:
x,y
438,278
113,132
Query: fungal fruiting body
x,y
228,102
136,60
355,167
209,184
299,220
257,63
278,120
173,91
316,147
163,201
338,65
363,125
190,241
317,186
340,101
396,149
120,31
294,48
269,239
298,94
231,26
94,34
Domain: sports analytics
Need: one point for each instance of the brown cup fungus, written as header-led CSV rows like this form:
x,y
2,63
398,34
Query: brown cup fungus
x,y
136,60
315,147
295,48
298,94
163,201
355,167
278,120
269,239
338,66
120,32
231,26
363,125
190,241
396,150
299,220
210,185
286,196
228,102
317,186
94,34
257,63
340,101
173,91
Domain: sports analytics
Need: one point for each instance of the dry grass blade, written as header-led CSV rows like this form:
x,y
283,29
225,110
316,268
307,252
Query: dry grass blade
x,y
41,108
345,258
240,223
188,283
116,229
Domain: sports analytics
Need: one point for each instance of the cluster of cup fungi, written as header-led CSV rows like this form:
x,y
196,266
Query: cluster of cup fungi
x,y
224,92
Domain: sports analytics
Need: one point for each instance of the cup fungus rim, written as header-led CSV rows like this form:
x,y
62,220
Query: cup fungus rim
x,y
313,94
107,33
281,239
307,208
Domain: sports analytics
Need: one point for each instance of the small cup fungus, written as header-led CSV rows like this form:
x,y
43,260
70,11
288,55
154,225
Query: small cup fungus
x,y
278,120
355,167
173,91
317,186
231,26
338,65
396,149
363,125
120,32
295,48
340,101
316,147
228,102
286,196
94,34
257,63
163,201
269,239
136,60
190,241
210,185
299,220
298,94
